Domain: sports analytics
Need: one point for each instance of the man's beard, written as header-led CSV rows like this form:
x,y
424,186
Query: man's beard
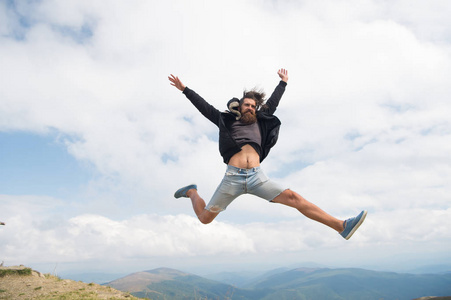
x,y
248,118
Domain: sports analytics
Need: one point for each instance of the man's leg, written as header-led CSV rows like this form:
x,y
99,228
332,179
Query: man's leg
x,y
204,216
308,209
190,191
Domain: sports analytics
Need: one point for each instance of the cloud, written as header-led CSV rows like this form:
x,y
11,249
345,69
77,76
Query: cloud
x,y
35,234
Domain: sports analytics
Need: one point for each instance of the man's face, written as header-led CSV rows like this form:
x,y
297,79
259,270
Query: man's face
x,y
248,105
248,111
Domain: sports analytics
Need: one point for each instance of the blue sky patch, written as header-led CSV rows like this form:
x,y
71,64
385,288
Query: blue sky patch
x,y
39,165
79,34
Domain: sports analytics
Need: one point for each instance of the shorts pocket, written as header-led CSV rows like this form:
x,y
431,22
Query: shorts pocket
x,y
261,177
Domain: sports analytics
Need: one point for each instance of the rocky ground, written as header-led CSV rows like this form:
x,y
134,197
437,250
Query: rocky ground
x,y
19,282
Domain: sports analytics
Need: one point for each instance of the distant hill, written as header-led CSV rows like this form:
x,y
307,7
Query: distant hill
x,y
354,284
302,283
167,283
242,279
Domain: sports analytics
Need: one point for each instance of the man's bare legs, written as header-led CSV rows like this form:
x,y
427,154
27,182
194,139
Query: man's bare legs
x,y
287,197
204,216
310,210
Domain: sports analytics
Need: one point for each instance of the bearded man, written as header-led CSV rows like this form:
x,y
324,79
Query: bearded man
x,y
247,132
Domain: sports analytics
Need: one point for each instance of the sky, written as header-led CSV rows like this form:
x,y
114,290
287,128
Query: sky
x,y
94,140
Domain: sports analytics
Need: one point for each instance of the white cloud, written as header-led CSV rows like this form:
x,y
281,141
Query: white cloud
x,y
49,239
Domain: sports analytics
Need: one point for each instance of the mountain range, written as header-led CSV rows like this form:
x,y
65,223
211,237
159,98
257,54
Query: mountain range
x,y
299,283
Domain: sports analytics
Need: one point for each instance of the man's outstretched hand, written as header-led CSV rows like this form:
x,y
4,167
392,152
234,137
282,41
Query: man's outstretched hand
x,y
283,74
175,81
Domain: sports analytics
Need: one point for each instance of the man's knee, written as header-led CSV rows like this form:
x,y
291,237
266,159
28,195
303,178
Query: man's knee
x,y
206,217
205,220
290,194
288,197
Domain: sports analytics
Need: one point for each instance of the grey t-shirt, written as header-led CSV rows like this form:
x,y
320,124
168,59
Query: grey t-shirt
x,y
247,134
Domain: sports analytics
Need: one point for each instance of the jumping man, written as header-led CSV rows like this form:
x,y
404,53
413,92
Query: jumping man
x,y
247,132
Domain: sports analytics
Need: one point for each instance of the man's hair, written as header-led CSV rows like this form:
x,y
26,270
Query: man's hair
x,y
257,95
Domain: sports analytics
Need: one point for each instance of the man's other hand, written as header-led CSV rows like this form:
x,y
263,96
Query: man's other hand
x,y
283,74
175,81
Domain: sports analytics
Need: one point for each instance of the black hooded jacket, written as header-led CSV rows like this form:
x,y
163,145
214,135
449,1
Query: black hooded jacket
x,y
268,123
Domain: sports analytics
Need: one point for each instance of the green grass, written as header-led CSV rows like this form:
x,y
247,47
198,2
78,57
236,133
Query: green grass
x,y
26,271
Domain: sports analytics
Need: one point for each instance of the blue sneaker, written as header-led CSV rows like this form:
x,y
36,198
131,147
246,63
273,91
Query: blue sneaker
x,y
352,224
181,192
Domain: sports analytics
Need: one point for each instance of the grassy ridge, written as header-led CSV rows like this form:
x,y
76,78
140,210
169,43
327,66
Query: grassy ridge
x,y
23,271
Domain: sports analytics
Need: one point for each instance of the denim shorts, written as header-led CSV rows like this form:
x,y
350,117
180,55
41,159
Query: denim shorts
x,y
237,182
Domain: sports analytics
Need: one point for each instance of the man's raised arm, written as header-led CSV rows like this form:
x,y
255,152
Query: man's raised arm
x,y
273,101
206,109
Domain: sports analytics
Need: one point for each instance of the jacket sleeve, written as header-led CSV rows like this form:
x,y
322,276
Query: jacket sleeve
x,y
206,109
273,101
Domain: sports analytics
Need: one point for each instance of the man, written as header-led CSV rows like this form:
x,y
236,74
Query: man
x,y
246,136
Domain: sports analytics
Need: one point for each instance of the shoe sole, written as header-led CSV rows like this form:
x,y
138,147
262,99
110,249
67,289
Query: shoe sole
x,y
357,225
